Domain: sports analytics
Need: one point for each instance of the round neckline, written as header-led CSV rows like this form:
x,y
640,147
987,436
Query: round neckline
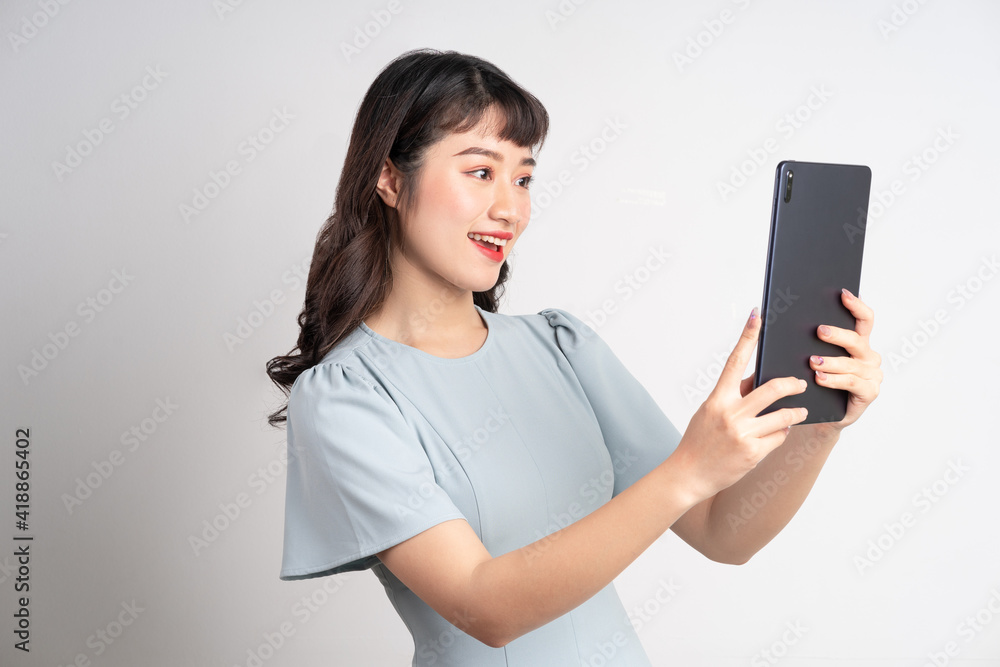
x,y
484,315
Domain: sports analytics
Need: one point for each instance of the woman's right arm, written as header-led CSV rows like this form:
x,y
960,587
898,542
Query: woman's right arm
x,y
497,599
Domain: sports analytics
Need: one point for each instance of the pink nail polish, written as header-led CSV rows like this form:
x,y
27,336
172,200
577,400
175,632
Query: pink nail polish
x,y
847,292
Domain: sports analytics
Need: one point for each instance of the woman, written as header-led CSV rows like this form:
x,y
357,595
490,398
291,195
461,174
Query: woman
x,y
497,472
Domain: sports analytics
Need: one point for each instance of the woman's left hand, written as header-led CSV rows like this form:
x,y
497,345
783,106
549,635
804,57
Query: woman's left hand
x,y
860,374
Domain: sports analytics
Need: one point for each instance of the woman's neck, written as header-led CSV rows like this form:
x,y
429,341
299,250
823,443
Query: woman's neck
x,y
436,319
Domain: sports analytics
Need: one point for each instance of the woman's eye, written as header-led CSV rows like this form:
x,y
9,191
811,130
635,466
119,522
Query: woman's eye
x,y
525,181
484,171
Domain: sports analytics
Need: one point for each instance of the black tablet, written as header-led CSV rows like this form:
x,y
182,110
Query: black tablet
x,y
818,222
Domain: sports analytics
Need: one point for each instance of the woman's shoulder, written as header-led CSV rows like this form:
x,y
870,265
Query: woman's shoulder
x,y
344,369
552,318
562,326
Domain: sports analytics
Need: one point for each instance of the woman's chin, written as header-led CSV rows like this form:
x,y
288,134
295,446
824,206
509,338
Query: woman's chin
x,y
482,281
486,286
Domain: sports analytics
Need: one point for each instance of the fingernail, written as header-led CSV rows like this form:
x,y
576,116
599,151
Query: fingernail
x,y
847,292
753,316
820,375
805,412
802,383
824,330
817,360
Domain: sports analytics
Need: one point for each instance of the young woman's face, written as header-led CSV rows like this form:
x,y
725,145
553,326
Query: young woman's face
x,y
470,184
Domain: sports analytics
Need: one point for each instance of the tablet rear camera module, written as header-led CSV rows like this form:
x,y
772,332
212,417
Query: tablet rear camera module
x,y
788,186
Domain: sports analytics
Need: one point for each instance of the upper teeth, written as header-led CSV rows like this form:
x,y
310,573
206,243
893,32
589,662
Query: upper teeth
x,y
489,239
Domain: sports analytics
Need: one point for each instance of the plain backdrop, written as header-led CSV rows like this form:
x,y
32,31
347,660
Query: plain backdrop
x,y
166,166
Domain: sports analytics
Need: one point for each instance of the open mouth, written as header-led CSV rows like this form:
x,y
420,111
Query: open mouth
x,y
489,242
491,246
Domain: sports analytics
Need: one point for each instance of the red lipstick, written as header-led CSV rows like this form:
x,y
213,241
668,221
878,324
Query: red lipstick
x,y
492,250
495,255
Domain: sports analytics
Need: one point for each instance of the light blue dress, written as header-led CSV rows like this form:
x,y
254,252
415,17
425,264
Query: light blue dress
x,y
537,428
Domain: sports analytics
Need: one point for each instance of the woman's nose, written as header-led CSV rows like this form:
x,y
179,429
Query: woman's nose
x,y
505,204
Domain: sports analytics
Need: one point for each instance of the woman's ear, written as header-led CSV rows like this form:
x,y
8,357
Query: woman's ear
x,y
389,182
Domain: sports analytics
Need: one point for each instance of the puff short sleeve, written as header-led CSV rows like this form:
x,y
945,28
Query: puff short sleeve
x,y
637,433
354,466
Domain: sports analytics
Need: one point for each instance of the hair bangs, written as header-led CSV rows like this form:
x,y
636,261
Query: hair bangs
x,y
512,114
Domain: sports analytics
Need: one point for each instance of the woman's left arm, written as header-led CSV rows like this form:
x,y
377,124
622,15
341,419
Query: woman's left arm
x,y
738,521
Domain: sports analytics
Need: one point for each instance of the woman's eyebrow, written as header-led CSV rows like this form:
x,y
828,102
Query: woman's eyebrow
x,y
493,155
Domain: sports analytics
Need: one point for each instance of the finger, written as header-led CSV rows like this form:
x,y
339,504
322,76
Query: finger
x,y
777,421
864,316
738,359
769,392
746,385
833,365
855,345
771,442
865,389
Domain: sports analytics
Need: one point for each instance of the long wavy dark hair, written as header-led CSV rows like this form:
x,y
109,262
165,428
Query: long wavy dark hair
x,y
413,103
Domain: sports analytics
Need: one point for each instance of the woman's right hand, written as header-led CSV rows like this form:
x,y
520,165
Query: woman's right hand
x,y
725,438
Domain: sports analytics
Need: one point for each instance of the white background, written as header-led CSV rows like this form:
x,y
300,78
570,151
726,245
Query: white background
x,y
896,78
